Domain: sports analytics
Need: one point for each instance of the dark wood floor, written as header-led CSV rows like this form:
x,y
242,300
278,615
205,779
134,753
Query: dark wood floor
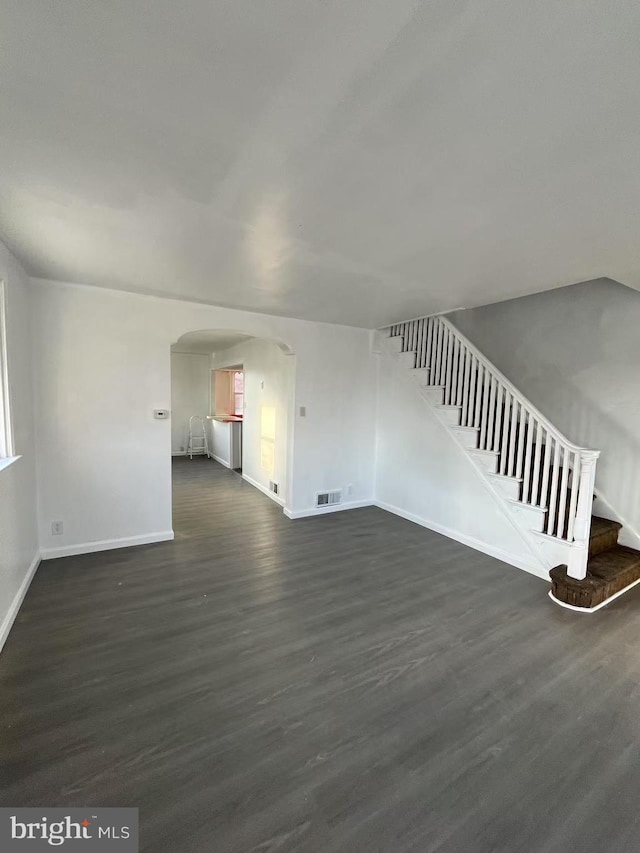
x,y
346,683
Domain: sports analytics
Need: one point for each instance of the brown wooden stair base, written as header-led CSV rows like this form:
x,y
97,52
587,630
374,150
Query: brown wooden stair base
x,y
608,573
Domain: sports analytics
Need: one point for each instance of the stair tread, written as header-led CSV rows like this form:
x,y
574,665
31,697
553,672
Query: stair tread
x,y
604,567
603,525
521,503
506,477
616,561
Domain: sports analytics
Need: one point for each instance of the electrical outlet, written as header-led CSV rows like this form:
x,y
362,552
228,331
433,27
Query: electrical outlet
x,y
349,488
303,411
57,528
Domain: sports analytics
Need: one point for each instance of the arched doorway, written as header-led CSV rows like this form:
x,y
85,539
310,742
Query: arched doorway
x,y
242,388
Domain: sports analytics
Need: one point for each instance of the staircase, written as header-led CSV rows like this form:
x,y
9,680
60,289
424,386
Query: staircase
x,y
543,481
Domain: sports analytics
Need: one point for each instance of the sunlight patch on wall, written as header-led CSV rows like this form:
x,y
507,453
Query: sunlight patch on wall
x,y
268,439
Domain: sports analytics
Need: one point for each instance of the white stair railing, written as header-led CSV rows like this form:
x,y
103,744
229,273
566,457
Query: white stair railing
x,y
556,476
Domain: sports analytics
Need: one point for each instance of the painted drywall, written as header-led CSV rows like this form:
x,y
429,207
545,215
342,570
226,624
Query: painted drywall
x,y
423,474
220,395
190,374
575,353
102,365
18,507
268,384
223,443
357,162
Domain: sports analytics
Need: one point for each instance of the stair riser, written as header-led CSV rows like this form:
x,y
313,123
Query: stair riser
x,y
420,375
507,488
529,517
407,359
486,462
395,344
603,542
434,395
585,597
469,440
449,415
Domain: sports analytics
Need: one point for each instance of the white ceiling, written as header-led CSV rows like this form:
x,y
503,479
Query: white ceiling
x,y
208,342
356,161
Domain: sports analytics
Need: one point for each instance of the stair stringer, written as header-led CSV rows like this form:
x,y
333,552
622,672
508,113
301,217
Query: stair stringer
x,y
534,560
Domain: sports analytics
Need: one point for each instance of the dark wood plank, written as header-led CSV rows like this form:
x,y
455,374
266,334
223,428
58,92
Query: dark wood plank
x,y
346,683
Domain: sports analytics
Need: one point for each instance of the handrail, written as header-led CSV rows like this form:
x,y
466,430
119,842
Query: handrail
x,y
527,446
499,375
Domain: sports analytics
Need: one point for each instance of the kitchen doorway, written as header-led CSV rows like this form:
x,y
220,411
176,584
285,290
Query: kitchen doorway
x,y
227,414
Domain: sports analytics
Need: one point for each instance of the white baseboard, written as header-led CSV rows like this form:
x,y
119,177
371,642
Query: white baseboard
x,y
325,510
464,539
11,614
263,489
221,461
106,545
195,455
178,452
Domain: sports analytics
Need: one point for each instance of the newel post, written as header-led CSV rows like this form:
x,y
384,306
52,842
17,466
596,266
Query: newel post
x,y
577,566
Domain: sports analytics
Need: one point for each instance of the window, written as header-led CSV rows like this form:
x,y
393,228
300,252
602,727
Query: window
x,y
237,393
6,436
227,392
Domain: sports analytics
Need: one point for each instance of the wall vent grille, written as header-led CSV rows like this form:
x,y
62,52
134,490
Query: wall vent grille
x,y
328,498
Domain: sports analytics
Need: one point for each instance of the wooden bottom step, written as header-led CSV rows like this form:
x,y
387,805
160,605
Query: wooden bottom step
x,y
608,573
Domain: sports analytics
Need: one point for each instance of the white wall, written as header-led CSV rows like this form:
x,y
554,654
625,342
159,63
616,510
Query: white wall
x,y
423,474
269,376
102,360
18,524
575,353
221,437
190,388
